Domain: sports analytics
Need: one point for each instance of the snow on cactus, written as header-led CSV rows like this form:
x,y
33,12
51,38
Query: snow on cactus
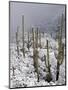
x,y
24,72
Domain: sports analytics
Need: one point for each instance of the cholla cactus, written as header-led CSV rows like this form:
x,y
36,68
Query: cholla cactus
x,y
17,41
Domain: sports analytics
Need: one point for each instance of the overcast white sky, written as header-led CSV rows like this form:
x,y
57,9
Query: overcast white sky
x,y
41,15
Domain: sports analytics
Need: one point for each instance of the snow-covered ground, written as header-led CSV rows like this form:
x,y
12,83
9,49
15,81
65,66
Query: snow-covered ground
x,y
24,72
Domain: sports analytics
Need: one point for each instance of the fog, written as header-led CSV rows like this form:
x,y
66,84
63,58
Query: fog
x,y
44,16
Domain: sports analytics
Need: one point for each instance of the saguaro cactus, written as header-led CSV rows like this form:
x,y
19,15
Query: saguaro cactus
x,y
43,33
17,41
40,39
36,38
60,56
35,52
23,49
33,37
28,41
51,34
61,28
48,76
13,68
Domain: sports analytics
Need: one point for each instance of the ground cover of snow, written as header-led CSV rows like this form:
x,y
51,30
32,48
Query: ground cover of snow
x,y
24,72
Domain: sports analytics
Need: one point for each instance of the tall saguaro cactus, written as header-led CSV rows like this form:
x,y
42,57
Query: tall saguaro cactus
x,y
13,68
60,56
48,57
28,41
61,28
48,76
23,49
17,41
36,38
40,39
33,37
43,33
35,51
